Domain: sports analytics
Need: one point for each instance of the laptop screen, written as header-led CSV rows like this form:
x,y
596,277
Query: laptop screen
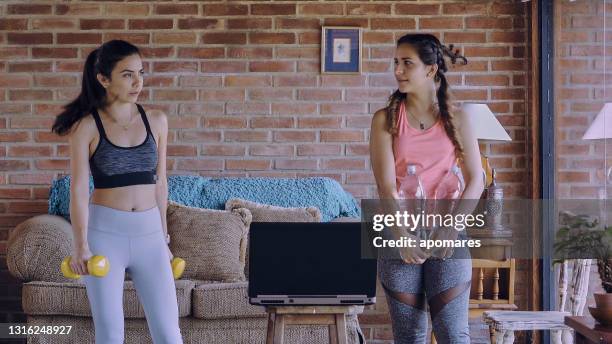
x,y
309,259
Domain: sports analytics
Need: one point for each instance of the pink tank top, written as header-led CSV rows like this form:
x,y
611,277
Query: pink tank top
x,y
430,150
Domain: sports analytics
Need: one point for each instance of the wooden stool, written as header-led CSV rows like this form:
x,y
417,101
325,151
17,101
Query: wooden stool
x,y
333,316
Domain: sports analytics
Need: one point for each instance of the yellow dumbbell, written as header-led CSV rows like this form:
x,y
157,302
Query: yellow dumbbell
x,y
178,266
97,266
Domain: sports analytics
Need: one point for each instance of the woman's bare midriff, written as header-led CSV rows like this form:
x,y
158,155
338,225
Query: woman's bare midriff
x,y
127,198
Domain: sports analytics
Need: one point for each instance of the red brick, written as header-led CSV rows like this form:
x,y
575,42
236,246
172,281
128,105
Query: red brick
x,y
201,108
297,23
321,9
29,38
46,136
247,108
270,94
308,67
60,53
13,165
150,24
224,38
15,81
487,80
343,164
517,9
175,67
309,38
360,178
200,23
487,51
35,207
223,150
14,53
510,93
319,149
417,9
224,122
368,9
247,81
248,164
297,80
56,81
509,148
174,38
359,121
198,165
440,23
222,95
246,136
78,9
182,150
465,8
175,95
53,23
271,66
319,122
201,136
465,37
132,37
249,23
271,150
52,164
488,23
199,81
294,109
273,9
157,52
249,53
102,24
319,94
28,9
296,164
29,151
508,37
225,10
378,38
130,10
271,38
14,193
176,9
294,136
508,65
367,94
272,122
30,95
343,109
14,136
182,122
13,24
14,109
343,80
346,21
393,24
79,38
341,135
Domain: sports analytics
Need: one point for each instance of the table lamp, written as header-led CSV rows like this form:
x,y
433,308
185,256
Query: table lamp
x,y
601,128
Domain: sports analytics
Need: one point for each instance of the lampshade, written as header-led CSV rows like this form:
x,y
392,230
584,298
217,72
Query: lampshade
x,y
486,126
601,127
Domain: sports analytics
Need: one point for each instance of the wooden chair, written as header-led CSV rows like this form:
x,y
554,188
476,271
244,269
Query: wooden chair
x,y
502,324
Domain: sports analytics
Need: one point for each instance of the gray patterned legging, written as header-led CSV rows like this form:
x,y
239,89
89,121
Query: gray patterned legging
x,y
446,283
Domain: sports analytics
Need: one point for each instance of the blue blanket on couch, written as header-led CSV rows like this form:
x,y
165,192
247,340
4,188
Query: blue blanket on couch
x,y
195,191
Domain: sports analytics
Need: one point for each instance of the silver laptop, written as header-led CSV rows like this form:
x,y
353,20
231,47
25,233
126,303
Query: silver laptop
x,y
309,264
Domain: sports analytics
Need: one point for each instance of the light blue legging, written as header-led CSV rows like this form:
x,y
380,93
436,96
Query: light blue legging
x,y
131,241
443,284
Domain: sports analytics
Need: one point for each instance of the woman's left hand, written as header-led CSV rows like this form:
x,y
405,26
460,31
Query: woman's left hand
x,y
170,255
445,233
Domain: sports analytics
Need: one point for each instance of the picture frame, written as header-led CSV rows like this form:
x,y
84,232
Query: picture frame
x,y
341,50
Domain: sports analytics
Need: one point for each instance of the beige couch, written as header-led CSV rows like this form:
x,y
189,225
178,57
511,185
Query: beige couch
x,y
210,311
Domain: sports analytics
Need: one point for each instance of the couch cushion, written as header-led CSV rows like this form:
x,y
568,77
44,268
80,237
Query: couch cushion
x,y
51,298
212,242
270,213
36,248
214,300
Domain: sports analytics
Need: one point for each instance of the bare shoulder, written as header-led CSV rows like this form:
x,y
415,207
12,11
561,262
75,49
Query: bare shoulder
x,y
379,119
157,116
84,129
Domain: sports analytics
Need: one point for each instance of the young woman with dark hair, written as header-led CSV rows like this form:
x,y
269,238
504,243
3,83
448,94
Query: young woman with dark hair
x,y
420,126
125,219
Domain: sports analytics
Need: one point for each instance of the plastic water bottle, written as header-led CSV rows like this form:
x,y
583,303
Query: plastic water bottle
x,y
411,186
451,186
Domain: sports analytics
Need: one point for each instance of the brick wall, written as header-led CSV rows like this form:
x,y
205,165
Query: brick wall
x,y
240,82
584,80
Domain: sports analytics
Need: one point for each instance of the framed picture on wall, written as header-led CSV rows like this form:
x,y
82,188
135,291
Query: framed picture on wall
x,y
340,50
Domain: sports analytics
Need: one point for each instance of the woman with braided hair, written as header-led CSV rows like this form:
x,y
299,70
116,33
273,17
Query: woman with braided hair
x,y
420,126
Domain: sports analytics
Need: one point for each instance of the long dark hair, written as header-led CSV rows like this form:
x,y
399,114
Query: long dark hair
x,y
431,52
102,60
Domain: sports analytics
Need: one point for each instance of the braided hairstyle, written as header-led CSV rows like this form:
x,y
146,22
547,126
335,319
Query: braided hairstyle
x,y
431,52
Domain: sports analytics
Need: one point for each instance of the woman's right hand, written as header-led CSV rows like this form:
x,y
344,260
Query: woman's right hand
x,y
78,262
413,255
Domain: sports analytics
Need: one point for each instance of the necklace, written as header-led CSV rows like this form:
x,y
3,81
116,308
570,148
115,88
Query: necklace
x,y
421,124
124,126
